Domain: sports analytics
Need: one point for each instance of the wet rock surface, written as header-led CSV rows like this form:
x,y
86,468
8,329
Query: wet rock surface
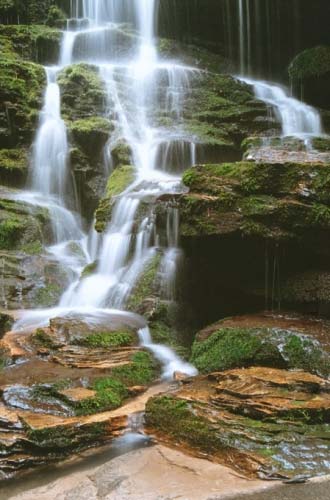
x,y
268,421
261,421
59,386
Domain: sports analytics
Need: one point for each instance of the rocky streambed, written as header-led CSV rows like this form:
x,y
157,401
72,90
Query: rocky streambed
x,y
260,405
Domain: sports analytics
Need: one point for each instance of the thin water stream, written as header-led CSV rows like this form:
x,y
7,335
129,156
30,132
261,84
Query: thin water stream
x,y
135,83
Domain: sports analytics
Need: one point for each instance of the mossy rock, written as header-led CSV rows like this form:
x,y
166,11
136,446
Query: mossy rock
x,y
35,43
91,134
21,88
112,391
121,154
241,347
310,63
82,91
13,166
21,224
118,181
220,416
27,11
107,339
146,286
174,417
278,201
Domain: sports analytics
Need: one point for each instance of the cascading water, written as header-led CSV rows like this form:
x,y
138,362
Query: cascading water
x,y
137,83
296,118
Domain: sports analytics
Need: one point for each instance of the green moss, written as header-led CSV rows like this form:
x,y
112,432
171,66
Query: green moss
x,y
140,371
90,135
305,354
36,43
13,161
321,143
48,294
85,127
145,286
240,347
107,339
118,181
89,269
67,438
310,63
40,337
82,92
225,349
110,394
121,154
112,391
10,231
32,248
174,417
21,87
266,200
21,225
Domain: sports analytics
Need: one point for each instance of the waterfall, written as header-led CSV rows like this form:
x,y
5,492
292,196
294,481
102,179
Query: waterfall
x,y
137,81
49,174
297,118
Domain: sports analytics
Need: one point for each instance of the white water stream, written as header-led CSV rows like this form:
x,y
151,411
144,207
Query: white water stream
x,y
297,118
118,37
136,81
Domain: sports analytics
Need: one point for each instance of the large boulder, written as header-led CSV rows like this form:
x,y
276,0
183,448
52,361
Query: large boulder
x,y
260,421
310,73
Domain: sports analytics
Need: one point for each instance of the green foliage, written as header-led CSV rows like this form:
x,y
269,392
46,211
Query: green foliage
x,y
310,63
56,17
106,339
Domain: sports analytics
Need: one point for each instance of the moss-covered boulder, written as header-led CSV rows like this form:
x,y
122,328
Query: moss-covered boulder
x,y
270,200
230,347
83,97
21,87
35,43
118,181
21,224
82,91
13,166
310,71
91,134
